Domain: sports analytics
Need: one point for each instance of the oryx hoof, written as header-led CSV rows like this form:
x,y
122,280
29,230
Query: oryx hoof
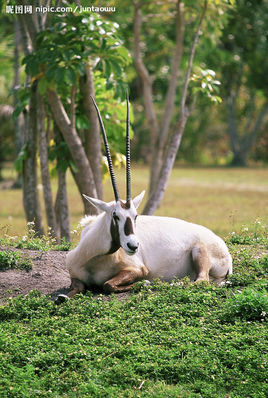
x,y
108,288
62,298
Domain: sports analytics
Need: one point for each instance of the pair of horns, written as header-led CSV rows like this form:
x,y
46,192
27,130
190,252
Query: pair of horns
x,y
108,154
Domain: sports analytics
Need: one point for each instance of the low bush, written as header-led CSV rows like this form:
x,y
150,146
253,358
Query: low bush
x,y
34,243
249,305
10,259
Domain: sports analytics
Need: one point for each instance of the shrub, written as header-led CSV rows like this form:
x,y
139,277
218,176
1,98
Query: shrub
x,y
248,237
249,305
10,259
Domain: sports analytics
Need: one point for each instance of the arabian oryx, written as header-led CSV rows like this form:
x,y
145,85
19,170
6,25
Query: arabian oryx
x,y
119,247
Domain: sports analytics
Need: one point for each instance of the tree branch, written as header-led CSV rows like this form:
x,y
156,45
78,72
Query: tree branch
x,y
92,136
191,58
146,79
72,107
84,176
31,21
173,81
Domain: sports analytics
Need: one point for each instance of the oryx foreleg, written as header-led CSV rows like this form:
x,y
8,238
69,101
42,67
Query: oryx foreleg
x,y
124,280
77,286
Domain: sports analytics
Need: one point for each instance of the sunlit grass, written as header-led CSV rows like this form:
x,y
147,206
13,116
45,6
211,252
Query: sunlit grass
x,y
222,199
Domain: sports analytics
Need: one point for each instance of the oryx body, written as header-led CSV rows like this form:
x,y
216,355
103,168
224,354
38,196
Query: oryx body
x,y
118,247
168,248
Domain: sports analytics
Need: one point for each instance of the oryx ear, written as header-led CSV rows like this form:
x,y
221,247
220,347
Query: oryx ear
x,y
103,206
137,200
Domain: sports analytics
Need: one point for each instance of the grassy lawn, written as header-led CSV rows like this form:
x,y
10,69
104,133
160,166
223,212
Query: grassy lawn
x,y
165,340
220,198
178,340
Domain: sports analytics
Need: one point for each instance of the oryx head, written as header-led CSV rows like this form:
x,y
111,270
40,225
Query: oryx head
x,y
122,214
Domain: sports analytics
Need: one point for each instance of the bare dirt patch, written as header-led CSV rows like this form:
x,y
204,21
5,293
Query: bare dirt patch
x,y
48,275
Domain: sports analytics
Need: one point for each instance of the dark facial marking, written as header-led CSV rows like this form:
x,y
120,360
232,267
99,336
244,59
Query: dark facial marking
x,y
125,205
128,228
116,218
115,243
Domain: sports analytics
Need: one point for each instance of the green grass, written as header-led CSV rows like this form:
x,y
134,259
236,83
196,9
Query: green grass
x,y
10,260
29,241
164,340
222,199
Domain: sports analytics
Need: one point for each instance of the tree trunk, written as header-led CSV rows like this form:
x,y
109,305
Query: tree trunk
x,y
172,146
30,193
147,80
157,194
239,159
92,136
17,124
84,175
61,207
160,145
43,154
241,144
29,137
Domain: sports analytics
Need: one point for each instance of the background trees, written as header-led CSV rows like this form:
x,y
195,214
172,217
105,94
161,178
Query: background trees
x,y
62,55
242,64
171,54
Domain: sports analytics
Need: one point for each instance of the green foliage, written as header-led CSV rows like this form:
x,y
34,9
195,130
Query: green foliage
x,y
240,60
204,82
23,96
43,244
29,241
113,113
6,56
63,246
250,267
10,259
22,156
65,48
59,151
249,305
244,45
259,235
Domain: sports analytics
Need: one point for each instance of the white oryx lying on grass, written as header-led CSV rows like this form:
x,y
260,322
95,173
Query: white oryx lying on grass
x,y
119,247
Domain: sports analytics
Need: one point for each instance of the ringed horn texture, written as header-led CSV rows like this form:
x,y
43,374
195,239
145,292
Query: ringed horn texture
x,y
108,154
128,180
107,150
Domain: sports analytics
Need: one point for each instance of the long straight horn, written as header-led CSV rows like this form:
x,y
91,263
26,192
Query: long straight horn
x,y
107,150
128,179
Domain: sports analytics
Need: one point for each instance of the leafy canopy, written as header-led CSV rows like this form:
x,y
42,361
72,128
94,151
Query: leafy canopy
x,y
69,43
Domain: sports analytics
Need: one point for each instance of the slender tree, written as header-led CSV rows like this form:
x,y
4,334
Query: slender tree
x,y
43,155
165,143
